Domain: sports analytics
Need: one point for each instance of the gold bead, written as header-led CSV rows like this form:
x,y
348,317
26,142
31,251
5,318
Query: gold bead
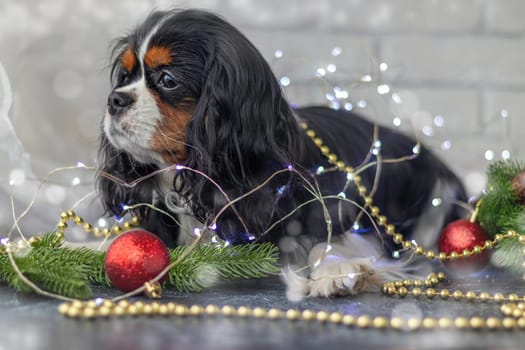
x,y
413,323
148,310
398,284
126,226
390,229
292,314
457,294
133,310
444,293
340,165
87,226
445,322
461,322
318,142
470,295
368,201
116,229
397,323
70,214
380,322
163,310
336,317
477,249
106,232
498,238
274,313
96,232
363,321
228,310
498,297
78,220
63,308
493,323
407,245
382,220
521,239
373,210
466,253
348,320
430,255
244,311
118,311
104,311
308,315
89,312
350,170
64,216
507,309
416,292
332,158
420,250
488,245
135,221
477,322
442,256
324,150
434,280
362,190
418,283
398,238
430,293
322,316
484,296
408,283
513,297
441,276
429,323
310,133
521,322
508,323
62,226
357,179
212,309
517,313
180,310
259,312
196,310
402,292
453,256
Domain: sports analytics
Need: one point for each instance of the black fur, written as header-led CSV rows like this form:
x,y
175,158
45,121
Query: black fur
x,y
243,130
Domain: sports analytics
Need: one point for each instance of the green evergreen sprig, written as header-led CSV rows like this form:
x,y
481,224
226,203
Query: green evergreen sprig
x,y
71,272
501,211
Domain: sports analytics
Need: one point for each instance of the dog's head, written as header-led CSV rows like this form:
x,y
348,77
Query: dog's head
x,y
189,88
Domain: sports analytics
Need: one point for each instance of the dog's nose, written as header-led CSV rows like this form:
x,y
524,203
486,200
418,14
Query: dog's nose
x,y
118,102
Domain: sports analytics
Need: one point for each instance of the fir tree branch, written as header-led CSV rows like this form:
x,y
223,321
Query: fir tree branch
x,y
72,271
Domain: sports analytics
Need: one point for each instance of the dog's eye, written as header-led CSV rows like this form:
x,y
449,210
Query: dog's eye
x,y
122,77
167,81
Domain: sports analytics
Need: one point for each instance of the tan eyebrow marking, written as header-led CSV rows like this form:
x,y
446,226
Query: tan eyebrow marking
x,y
157,56
128,59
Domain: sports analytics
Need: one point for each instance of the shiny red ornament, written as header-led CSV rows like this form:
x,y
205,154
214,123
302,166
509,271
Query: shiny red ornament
x,y
134,258
460,235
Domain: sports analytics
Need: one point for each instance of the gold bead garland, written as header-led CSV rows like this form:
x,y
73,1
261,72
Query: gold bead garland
x,y
513,310
382,220
89,228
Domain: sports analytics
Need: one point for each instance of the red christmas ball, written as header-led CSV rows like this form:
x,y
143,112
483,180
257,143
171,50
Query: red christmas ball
x,y
134,258
518,185
460,235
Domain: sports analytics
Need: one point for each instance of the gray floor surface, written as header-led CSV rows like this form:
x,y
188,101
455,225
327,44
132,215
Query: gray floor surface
x,y
32,322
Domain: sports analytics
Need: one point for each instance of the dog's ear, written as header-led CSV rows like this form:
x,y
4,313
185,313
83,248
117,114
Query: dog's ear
x,y
117,166
241,132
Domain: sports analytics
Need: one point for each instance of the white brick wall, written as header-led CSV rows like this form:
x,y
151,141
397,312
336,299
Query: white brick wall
x,y
461,59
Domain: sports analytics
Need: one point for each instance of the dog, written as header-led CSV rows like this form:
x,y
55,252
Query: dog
x,y
191,93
